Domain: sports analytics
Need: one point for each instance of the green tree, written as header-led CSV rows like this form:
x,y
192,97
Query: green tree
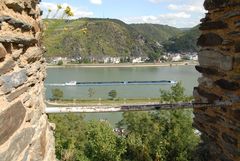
x,y
150,136
154,56
102,143
161,135
91,92
144,142
60,62
112,94
69,136
176,94
57,94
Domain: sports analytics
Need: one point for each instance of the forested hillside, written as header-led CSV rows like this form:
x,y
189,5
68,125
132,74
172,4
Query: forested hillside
x,y
183,43
156,32
110,37
95,37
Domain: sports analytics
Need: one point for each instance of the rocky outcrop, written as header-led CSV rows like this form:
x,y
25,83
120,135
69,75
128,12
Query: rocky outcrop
x,y
219,64
25,133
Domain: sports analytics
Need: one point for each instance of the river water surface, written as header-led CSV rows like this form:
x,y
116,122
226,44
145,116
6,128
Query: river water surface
x,y
186,74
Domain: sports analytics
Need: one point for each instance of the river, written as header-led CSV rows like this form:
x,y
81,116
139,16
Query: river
x,y
186,74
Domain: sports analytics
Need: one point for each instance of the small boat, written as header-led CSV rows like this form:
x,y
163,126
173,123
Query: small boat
x,y
173,82
71,83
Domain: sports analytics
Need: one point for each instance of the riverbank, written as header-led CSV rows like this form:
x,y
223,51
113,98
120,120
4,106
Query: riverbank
x,y
127,65
104,102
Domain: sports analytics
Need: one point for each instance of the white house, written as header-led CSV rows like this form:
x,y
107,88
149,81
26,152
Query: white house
x,y
106,60
164,57
57,59
176,58
137,60
195,57
115,60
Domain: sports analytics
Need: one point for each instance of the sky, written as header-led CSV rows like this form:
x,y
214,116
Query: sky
x,y
177,13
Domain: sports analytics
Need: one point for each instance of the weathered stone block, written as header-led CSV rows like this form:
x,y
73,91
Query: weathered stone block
x,y
6,66
29,115
231,14
17,144
223,157
16,54
233,97
36,116
237,23
215,59
16,94
26,155
225,84
237,46
235,77
16,5
206,81
231,149
236,114
227,42
229,139
199,98
26,98
204,118
213,25
18,40
213,131
10,120
209,71
4,18
209,96
214,4
33,69
234,33
210,39
205,19
38,148
16,23
13,80
19,24
33,54
3,51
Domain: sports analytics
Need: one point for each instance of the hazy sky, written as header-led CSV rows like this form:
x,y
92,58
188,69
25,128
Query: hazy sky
x,y
178,13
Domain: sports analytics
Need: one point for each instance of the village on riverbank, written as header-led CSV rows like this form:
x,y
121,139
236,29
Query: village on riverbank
x,y
166,57
165,60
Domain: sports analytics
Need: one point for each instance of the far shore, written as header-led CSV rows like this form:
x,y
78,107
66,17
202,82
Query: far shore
x,y
126,65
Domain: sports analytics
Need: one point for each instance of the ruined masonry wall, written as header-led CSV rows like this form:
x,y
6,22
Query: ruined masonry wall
x,y
25,133
219,60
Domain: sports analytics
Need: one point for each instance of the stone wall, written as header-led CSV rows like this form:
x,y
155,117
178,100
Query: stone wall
x,y
219,60
25,133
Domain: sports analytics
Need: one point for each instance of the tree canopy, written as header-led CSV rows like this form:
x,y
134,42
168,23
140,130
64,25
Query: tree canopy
x,y
161,135
148,136
57,94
